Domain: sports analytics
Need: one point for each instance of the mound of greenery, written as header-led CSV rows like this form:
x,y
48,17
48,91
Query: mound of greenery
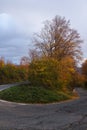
x,y
30,94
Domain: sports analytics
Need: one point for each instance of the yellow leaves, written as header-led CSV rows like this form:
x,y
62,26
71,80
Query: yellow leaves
x,y
2,63
51,73
10,72
71,70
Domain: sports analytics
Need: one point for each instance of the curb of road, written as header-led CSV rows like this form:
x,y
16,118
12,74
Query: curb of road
x,y
39,104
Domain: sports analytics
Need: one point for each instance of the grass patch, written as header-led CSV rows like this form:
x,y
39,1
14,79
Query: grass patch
x,y
30,94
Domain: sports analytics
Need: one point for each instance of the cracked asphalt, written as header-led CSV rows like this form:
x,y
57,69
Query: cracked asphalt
x,y
70,115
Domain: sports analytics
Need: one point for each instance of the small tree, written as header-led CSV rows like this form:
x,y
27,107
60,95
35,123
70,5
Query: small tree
x,y
24,60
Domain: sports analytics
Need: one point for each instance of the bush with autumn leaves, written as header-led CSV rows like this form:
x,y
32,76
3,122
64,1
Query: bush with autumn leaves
x,y
51,74
10,73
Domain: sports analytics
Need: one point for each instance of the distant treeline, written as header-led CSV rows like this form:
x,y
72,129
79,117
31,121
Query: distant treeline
x,y
10,73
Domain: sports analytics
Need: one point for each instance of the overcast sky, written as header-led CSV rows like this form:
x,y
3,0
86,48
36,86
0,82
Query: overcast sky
x,y
19,19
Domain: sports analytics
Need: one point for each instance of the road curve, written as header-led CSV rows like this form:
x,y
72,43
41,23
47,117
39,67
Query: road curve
x,y
60,116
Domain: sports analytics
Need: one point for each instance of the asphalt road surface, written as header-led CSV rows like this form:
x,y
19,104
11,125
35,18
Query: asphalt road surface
x,y
71,115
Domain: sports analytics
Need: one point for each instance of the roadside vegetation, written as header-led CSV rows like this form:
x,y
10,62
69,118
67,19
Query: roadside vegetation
x,y
11,73
52,69
84,74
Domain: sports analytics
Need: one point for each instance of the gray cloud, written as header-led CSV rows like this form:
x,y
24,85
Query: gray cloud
x,y
13,42
20,18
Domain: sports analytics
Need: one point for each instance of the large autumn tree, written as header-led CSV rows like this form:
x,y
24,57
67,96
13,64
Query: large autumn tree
x,y
58,40
58,48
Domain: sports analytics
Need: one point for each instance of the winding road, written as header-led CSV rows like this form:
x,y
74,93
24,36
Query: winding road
x,y
70,115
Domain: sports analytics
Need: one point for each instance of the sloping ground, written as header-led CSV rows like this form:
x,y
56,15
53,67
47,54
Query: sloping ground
x,y
60,116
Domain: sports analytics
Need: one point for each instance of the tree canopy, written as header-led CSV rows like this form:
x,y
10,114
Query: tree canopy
x,y
58,40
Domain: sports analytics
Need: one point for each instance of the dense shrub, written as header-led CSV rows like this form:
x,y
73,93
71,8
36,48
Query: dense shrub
x,y
44,72
10,73
84,73
52,74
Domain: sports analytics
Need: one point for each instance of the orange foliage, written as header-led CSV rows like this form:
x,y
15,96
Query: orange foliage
x,y
10,72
